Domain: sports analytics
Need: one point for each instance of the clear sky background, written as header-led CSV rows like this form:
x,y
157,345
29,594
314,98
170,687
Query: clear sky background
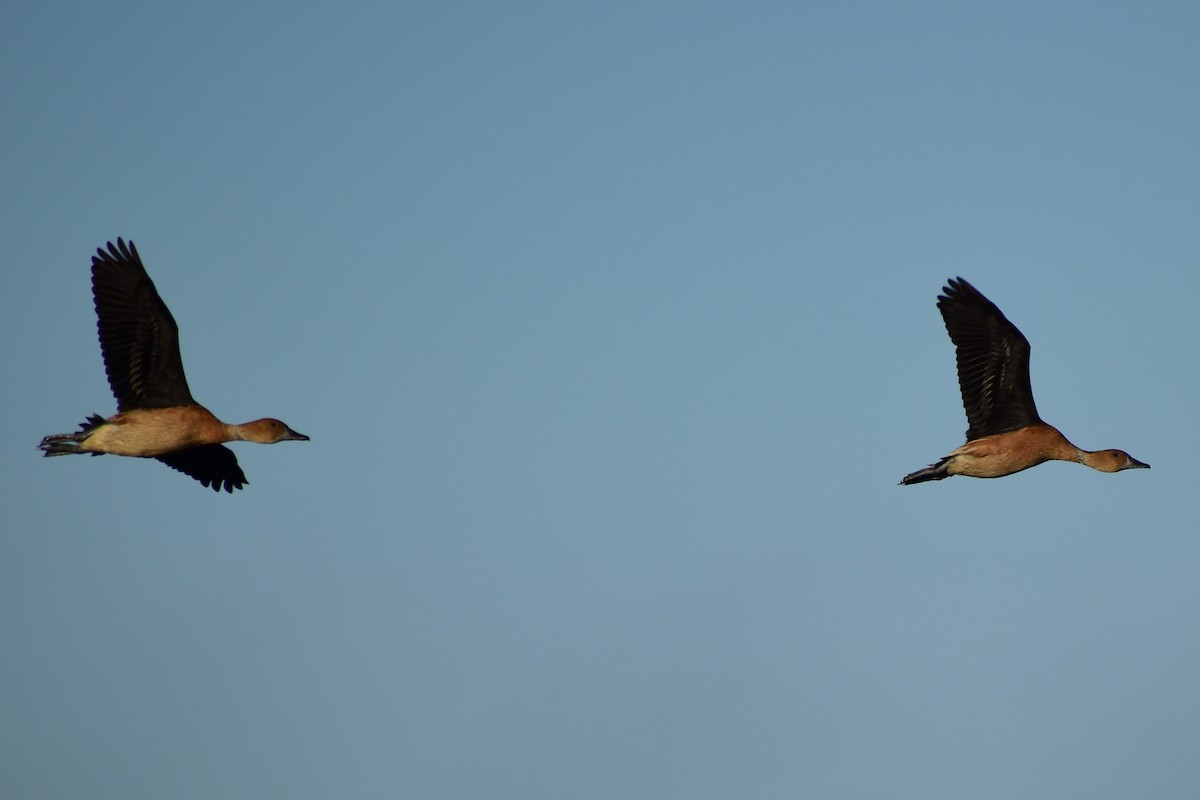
x,y
614,328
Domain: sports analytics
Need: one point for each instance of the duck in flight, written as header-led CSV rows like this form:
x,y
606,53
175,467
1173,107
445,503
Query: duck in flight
x,y
157,416
1005,433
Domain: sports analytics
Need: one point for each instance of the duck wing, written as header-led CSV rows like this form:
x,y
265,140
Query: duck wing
x,y
993,362
138,336
212,464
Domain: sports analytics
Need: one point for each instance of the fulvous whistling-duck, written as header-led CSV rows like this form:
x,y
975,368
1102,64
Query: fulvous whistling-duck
x,y
1006,435
157,417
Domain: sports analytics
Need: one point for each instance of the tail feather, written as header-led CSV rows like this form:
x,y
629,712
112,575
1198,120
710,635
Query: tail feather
x,y
51,446
62,444
934,472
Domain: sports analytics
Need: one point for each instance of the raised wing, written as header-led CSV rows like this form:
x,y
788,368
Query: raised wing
x,y
993,362
138,335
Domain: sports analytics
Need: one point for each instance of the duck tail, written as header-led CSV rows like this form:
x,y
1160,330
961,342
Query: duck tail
x,y
934,472
63,444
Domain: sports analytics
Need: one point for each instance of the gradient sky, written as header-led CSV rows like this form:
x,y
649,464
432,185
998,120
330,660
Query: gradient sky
x,y
614,327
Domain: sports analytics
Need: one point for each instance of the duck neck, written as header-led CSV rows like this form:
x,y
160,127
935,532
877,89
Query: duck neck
x,y
1059,448
1087,458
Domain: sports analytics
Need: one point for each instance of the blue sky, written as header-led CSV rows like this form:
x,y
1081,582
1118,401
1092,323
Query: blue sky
x,y
613,327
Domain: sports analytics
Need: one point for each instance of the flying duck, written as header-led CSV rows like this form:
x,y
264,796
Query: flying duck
x,y
1005,433
157,416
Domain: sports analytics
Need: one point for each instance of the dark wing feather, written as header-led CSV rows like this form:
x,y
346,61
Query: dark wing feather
x,y
993,362
138,335
211,464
